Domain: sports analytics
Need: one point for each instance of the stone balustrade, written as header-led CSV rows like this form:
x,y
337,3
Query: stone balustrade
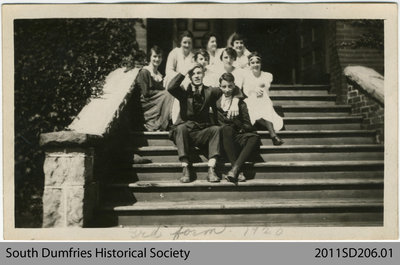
x,y
365,93
71,187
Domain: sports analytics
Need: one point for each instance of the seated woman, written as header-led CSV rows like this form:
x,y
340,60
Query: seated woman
x,y
228,57
261,110
180,58
238,44
210,43
155,101
238,137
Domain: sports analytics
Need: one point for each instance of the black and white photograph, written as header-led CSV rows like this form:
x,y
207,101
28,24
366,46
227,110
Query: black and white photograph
x,y
236,122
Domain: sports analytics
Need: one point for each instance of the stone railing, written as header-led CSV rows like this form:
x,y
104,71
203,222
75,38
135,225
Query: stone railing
x,y
71,185
366,96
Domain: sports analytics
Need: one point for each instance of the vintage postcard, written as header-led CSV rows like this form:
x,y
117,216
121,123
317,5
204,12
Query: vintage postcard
x,y
200,121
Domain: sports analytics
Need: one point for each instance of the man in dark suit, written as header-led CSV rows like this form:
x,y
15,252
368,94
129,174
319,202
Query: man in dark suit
x,y
239,139
194,126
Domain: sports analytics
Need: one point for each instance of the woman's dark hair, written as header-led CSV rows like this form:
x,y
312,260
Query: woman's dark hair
x,y
185,33
206,37
237,36
230,51
228,77
254,54
156,49
201,52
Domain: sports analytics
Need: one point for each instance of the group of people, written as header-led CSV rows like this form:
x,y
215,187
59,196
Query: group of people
x,y
209,98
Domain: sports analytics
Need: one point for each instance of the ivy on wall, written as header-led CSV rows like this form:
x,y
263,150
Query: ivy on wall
x,y
59,65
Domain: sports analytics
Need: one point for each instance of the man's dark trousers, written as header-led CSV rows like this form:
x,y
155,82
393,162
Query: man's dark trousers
x,y
185,136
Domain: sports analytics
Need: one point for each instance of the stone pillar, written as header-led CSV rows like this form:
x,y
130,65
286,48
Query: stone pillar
x,y
70,190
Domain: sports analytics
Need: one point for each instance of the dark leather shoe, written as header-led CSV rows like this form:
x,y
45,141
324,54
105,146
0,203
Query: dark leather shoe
x,y
187,173
277,141
137,159
212,176
232,175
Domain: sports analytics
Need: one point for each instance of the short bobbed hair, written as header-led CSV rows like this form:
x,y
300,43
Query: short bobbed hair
x,y
230,51
156,49
185,33
202,52
237,36
206,38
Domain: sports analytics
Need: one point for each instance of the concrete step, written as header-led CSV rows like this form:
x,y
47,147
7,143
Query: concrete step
x,y
295,93
284,98
323,123
262,170
278,212
266,189
299,87
312,111
281,153
291,137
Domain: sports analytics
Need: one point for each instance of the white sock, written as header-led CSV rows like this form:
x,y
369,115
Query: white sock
x,y
185,164
212,162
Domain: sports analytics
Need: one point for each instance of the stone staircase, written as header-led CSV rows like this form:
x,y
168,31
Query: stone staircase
x,y
329,172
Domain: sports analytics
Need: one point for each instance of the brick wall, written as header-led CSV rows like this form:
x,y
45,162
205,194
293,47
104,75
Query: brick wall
x,y
339,57
365,105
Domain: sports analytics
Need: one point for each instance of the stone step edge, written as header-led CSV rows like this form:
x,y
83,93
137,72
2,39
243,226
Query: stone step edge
x,y
245,204
293,86
324,118
345,147
311,97
285,132
274,164
144,184
319,108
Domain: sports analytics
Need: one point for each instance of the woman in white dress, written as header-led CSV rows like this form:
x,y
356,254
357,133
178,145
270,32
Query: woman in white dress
x,y
179,60
210,43
238,44
261,110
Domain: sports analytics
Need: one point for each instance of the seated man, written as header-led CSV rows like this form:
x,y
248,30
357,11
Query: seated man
x,y
194,126
238,136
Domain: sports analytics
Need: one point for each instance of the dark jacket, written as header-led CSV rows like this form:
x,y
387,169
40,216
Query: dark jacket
x,y
185,97
240,123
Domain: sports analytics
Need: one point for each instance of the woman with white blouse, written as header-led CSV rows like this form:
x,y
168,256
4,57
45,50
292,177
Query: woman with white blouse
x,y
180,58
256,86
210,43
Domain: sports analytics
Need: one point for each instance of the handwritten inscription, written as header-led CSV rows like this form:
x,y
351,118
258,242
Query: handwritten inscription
x,y
182,232
141,233
192,232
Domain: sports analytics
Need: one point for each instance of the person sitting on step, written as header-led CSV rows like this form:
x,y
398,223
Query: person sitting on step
x,y
194,126
238,137
256,86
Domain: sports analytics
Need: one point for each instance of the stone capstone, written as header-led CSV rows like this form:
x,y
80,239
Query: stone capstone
x,y
68,139
368,79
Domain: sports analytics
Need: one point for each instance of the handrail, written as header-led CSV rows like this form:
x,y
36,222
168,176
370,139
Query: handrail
x,y
367,79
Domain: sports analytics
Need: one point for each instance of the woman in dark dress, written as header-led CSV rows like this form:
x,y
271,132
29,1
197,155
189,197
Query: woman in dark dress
x,y
155,101
238,137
